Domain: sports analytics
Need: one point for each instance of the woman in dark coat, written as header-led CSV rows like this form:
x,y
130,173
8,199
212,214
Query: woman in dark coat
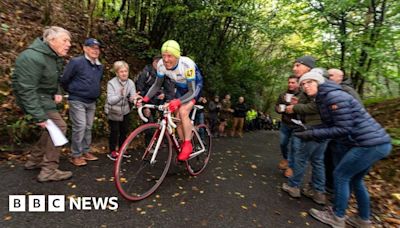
x,y
345,119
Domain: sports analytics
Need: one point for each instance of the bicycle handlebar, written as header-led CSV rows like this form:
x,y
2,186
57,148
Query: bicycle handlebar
x,y
158,107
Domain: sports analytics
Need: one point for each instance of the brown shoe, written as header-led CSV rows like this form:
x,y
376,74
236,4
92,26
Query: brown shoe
x,y
288,172
283,164
53,175
78,161
90,157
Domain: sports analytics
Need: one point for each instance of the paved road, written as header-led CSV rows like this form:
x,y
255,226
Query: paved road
x,y
240,188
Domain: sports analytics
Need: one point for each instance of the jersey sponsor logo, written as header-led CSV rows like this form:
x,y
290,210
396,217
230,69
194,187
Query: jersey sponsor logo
x,y
189,73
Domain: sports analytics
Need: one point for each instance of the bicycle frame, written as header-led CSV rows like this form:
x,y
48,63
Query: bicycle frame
x,y
167,124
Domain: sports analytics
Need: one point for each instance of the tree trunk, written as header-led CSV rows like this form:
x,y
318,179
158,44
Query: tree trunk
x,y
92,7
127,15
342,41
121,9
47,12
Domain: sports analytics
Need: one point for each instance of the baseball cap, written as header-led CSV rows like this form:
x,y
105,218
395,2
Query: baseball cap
x,y
91,42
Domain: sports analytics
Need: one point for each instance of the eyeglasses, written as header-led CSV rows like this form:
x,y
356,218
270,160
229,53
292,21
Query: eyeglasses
x,y
307,82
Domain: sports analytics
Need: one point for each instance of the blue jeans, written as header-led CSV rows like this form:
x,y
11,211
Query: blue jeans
x,y
350,173
312,151
82,116
289,145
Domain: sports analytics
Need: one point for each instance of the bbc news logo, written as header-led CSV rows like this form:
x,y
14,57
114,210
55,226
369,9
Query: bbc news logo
x,y
57,203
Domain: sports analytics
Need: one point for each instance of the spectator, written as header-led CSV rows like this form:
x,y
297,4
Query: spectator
x,y
268,122
239,114
345,119
213,110
81,79
311,150
199,118
337,76
120,91
225,114
251,116
36,88
335,149
288,144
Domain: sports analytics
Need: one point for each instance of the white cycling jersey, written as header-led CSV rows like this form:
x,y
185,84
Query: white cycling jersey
x,y
183,72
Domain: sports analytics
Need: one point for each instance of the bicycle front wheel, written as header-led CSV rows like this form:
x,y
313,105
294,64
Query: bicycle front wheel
x,y
136,177
201,141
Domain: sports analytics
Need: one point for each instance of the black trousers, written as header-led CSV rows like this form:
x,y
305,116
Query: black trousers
x,y
118,132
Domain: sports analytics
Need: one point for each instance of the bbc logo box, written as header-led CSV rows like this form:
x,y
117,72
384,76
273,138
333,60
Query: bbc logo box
x,y
36,203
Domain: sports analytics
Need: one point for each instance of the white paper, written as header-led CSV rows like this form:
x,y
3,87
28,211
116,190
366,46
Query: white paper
x,y
298,122
55,133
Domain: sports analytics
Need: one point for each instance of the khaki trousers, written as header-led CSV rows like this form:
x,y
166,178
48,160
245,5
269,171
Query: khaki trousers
x,y
44,152
238,123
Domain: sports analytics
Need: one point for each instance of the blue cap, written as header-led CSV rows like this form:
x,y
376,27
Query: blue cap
x,y
92,42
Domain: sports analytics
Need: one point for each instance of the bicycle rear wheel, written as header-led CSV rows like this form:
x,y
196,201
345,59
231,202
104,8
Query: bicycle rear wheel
x,y
135,177
201,151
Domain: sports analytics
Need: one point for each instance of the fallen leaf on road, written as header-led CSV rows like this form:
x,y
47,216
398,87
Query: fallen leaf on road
x,y
277,212
101,179
73,186
123,180
7,218
253,166
176,194
71,196
303,214
244,207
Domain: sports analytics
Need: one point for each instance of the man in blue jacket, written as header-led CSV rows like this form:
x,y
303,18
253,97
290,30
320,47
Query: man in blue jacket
x,y
81,79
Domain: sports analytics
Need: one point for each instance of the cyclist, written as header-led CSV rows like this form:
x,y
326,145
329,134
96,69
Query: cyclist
x,y
188,82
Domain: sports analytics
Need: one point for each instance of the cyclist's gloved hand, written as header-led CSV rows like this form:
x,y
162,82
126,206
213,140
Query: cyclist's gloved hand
x,y
146,99
139,102
174,105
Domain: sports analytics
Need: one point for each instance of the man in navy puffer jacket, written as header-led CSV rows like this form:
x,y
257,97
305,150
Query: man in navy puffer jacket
x,y
345,119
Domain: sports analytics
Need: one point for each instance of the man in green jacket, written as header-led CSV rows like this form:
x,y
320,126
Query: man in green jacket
x,y
36,88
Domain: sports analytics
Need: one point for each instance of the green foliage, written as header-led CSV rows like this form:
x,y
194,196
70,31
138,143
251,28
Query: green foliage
x,y
375,100
22,130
